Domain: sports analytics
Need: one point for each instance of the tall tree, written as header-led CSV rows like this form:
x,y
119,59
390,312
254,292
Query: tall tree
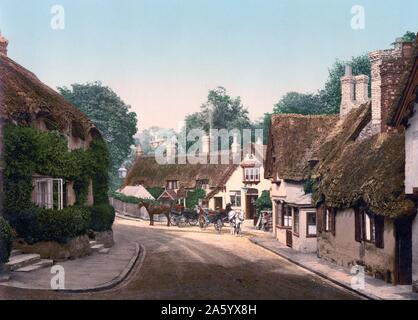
x,y
110,115
224,111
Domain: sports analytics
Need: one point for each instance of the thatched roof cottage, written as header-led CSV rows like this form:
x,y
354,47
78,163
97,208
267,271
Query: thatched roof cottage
x,y
364,216
293,141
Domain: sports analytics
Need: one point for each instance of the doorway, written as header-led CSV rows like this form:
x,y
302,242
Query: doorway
x,y
218,203
403,234
250,205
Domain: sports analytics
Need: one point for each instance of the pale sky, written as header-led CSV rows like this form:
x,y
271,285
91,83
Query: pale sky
x,y
162,56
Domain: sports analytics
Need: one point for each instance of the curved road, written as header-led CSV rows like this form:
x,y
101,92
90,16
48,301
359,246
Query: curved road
x,y
194,264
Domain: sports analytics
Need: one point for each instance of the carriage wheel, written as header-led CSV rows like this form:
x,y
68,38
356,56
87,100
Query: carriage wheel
x,y
181,223
193,222
173,220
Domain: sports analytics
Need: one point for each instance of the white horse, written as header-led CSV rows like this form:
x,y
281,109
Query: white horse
x,y
235,218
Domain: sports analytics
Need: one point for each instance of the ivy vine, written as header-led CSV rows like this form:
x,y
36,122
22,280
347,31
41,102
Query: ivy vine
x,y
29,151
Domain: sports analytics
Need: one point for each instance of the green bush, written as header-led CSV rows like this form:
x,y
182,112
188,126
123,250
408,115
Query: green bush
x,y
102,217
5,240
63,225
26,223
36,224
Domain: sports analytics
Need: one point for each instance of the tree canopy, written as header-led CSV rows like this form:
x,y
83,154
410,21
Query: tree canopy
x,y
300,103
110,115
222,110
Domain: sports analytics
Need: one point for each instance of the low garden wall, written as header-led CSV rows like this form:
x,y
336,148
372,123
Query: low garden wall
x,y
131,210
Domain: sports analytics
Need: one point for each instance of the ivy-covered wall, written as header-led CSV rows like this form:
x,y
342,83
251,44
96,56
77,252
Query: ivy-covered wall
x,y
29,151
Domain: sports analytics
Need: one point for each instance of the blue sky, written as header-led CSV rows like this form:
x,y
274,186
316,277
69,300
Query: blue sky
x,y
162,56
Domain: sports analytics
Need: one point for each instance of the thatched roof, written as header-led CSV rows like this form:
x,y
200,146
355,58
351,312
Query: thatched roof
x,y
369,172
24,99
346,129
148,172
293,141
405,96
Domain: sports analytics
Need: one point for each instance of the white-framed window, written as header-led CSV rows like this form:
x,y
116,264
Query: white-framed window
x,y
235,197
48,193
327,216
287,217
172,184
252,174
202,184
368,227
311,223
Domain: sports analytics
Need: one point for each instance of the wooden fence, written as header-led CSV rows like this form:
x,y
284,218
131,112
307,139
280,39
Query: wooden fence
x,y
131,210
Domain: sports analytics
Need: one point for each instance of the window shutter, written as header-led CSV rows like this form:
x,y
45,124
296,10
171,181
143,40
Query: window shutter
x,y
333,213
357,224
379,224
319,219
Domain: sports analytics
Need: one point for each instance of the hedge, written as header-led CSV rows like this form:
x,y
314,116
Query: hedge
x,y
5,240
36,224
102,217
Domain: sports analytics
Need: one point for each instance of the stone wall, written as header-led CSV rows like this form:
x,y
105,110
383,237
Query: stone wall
x,y
343,250
76,248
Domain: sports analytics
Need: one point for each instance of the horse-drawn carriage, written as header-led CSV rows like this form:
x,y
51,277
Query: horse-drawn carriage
x,y
181,217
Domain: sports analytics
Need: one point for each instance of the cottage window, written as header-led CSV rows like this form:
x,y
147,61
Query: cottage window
x,y
369,227
48,193
327,216
202,184
296,221
252,174
172,184
287,217
311,224
235,197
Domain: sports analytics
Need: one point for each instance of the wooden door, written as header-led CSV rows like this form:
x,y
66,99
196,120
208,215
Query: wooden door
x,y
250,204
289,238
218,203
403,230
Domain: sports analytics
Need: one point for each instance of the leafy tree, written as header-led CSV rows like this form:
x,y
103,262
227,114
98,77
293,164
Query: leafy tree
x,y
264,124
193,197
222,110
409,36
299,103
264,201
111,116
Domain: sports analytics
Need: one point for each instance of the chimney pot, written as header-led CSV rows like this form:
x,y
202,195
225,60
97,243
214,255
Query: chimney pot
x,y
348,71
3,44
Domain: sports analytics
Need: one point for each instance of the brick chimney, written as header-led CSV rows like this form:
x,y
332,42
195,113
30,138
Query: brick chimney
x,y
388,67
354,91
3,45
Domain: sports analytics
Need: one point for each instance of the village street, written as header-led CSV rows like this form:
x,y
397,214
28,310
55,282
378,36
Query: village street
x,y
193,264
